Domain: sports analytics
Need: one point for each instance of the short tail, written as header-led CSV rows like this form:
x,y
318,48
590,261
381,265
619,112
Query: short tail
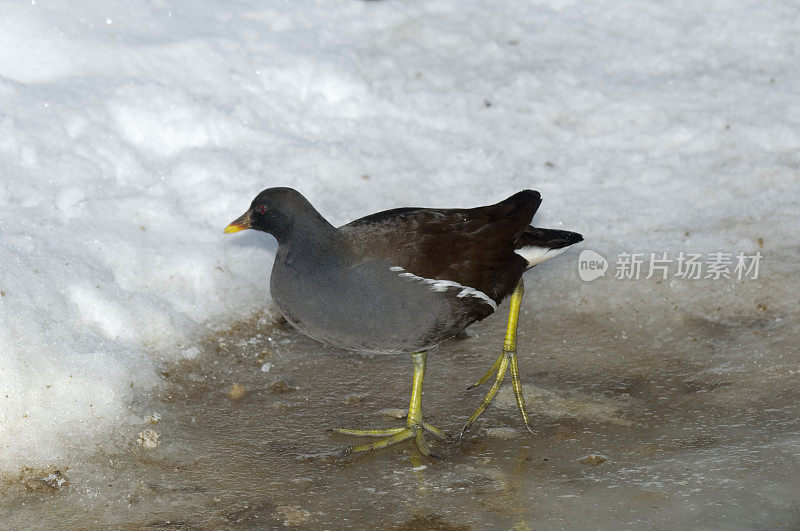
x,y
539,245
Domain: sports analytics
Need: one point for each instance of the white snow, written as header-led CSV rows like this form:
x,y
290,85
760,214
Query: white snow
x,y
132,133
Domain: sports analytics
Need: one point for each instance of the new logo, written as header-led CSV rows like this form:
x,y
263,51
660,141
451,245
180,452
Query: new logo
x,y
591,265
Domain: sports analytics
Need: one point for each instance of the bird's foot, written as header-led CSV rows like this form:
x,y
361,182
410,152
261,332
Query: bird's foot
x,y
507,359
393,436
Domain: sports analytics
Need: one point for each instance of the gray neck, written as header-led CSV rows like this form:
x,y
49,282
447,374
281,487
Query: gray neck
x,y
303,226
310,243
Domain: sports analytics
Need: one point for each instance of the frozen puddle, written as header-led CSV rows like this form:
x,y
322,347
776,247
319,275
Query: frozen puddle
x,y
630,432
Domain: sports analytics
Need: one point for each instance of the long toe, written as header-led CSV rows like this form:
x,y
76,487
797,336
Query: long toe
x,y
405,433
378,432
391,436
436,432
423,445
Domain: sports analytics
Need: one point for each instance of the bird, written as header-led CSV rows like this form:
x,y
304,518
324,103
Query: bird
x,y
402,281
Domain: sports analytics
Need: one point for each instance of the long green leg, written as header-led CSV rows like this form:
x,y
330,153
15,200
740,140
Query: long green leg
x,y
415,425
507,359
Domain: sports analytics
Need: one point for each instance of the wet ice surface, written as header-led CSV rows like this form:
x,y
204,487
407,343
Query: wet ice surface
x,y
132,133
691,424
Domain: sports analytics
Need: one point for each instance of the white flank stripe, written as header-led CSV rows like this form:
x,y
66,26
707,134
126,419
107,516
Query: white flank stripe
x,y
536,255
444,285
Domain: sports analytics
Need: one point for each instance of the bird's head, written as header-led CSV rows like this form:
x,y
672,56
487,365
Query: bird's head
x,y
278,211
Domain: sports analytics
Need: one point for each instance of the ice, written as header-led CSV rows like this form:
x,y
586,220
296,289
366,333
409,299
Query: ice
x,y
131,134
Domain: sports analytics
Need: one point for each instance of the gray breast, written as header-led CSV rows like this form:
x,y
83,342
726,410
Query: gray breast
x,y
370,305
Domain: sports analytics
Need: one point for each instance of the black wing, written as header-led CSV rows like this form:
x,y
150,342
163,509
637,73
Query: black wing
x,y
474,247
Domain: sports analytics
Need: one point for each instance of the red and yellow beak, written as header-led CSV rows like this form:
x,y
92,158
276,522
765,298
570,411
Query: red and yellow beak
x,y
240,223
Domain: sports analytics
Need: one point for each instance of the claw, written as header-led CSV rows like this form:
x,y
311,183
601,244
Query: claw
x,y
467,426
344,453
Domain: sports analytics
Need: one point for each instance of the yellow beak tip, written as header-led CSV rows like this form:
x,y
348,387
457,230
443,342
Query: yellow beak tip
x,y
233,228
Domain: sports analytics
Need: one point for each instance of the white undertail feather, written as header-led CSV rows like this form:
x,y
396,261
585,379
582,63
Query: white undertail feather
x,y
535,254
444,285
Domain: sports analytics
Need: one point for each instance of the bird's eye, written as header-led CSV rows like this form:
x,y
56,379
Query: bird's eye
x,y
261,209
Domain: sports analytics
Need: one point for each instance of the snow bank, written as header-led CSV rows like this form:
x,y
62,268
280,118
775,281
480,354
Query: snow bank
x,y
131,134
